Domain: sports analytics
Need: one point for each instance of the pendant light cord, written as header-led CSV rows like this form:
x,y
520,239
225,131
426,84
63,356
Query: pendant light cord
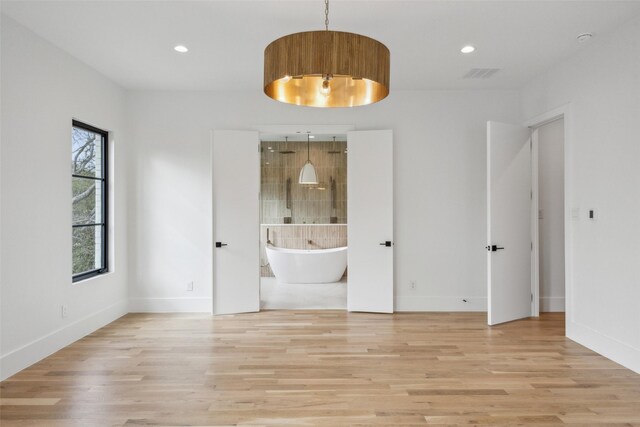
x,y
326,15
308,152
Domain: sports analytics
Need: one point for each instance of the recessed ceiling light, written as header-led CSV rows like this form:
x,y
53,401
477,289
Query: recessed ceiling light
x,y
311,136
584,37
180,48
467,49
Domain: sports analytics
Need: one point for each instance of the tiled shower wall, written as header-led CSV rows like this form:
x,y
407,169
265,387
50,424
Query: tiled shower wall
x,y
298,237
308,204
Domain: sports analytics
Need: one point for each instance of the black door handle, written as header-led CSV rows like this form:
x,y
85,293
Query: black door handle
x,y
220,244
494,248
387,243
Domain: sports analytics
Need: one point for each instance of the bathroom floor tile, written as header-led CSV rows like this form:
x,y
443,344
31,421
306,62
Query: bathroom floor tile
x,y
304,296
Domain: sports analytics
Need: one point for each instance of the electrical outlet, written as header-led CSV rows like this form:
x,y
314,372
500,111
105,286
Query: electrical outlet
x,y
413,284
64,311
190,286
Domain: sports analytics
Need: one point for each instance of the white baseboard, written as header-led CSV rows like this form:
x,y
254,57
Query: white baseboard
x,y
619,352
424,303
551,304
170,305
25,356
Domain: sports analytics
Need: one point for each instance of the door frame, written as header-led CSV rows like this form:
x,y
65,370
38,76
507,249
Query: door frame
x,y
535,225
563,112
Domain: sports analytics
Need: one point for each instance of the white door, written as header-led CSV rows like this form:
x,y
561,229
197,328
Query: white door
x,y
508,222
236,231
370,221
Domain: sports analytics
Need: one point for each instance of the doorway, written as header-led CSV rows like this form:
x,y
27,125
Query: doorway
x,y
548,257
527,241
235,188
303,221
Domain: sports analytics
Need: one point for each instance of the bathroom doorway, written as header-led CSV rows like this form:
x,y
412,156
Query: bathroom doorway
x,y
236,217
303,221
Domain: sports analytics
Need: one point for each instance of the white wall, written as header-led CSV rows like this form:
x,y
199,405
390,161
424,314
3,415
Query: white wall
x,y
439,186
43,88
602,83
551,215
439,191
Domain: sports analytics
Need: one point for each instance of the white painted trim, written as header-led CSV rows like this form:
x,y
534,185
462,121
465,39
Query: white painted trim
x,y
314,129
535,224
170,305
617,351
211,221
25,356
452,303
548,117
568,226
552,304
488,219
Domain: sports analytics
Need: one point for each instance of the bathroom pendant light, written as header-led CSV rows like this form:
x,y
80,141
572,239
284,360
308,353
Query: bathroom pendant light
x,y
326,68
308,172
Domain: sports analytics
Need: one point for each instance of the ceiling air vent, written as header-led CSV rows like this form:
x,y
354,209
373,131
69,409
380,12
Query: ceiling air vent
x,y
480,73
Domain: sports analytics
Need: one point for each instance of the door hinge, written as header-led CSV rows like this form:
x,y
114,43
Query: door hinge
x,y
531,246
531,297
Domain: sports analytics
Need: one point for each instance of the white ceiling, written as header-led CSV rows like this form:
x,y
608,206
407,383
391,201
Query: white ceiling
x,y
132,42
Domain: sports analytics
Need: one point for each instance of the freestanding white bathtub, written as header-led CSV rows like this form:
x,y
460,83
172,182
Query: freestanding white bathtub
x,y
307,266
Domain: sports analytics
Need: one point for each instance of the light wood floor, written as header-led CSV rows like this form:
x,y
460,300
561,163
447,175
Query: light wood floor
x,y
327,368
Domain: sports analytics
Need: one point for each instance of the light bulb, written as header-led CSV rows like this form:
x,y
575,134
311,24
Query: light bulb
x,y
325,89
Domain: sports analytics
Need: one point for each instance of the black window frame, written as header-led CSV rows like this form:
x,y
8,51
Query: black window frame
x,y
105,203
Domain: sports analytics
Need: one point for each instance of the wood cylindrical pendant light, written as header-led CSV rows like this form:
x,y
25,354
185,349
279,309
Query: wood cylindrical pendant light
x,y
326,69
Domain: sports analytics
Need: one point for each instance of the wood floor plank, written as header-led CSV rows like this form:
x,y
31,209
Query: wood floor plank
x,y
328,368
28,401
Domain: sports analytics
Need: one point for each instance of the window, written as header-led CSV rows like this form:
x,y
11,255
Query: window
x,y
89,200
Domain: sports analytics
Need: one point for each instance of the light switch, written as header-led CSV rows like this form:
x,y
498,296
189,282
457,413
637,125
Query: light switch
x,y
592,214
